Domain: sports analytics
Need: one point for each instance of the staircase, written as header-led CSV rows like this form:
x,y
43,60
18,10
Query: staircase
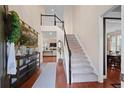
x,y
76,64
81,70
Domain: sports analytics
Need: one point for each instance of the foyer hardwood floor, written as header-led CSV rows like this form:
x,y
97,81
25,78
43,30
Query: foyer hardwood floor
x,y
47,59
113,77
29,83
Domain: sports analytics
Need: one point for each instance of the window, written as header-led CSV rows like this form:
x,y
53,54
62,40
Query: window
x,y
118,43
115,43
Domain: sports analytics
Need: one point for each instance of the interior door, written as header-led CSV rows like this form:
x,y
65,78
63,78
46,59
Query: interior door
x,y
3,81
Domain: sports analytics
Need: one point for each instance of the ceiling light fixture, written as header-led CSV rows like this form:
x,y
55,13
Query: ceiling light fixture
x,y
50,33
52,10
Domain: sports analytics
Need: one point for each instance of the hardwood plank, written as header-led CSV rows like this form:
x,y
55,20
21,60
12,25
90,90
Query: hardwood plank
x,y
47,59
60,76
29,83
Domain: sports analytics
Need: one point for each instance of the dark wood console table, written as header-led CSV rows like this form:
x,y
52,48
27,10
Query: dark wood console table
x,y
26,65
114,60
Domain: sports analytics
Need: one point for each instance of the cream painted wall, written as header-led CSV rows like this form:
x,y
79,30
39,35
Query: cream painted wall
x,y
68,19
85,26
31,15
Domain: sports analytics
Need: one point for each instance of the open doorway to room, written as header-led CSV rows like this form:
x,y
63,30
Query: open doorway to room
x,y
49,46
112,46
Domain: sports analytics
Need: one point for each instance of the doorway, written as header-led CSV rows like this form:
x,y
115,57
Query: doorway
x,y
112,46
49,46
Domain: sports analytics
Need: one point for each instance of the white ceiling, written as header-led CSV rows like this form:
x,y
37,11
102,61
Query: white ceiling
x,y
59,10
113,25
115,12
55,9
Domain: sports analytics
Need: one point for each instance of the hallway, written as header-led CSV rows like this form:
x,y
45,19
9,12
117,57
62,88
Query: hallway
x,y
61,79
42,40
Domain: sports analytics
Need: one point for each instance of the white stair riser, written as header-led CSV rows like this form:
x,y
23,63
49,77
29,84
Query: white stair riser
x,y
73,42
77,50
81,70
79,60
71,38
79,57
75,47
76,54
81,64
84,78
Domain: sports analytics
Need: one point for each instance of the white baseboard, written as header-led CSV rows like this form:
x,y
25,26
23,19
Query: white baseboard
x,y
91,62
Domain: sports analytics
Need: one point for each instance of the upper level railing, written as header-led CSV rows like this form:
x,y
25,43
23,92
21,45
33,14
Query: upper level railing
x,y
53,20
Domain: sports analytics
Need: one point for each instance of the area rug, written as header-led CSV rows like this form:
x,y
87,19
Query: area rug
x,y
47,78
116,85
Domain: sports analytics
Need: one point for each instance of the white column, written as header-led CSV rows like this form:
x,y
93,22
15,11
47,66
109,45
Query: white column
x,y
100,49
40,45
122,43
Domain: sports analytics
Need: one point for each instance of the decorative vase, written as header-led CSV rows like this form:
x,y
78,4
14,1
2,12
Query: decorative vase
x,y
18,52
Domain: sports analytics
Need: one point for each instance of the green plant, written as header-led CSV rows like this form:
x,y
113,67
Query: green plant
x,y
23,40
15,32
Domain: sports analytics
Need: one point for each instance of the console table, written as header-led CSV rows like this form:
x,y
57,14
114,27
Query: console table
x,y
114,61
26,65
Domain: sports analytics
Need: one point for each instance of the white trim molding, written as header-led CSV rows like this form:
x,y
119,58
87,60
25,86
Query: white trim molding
x,y
100,49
